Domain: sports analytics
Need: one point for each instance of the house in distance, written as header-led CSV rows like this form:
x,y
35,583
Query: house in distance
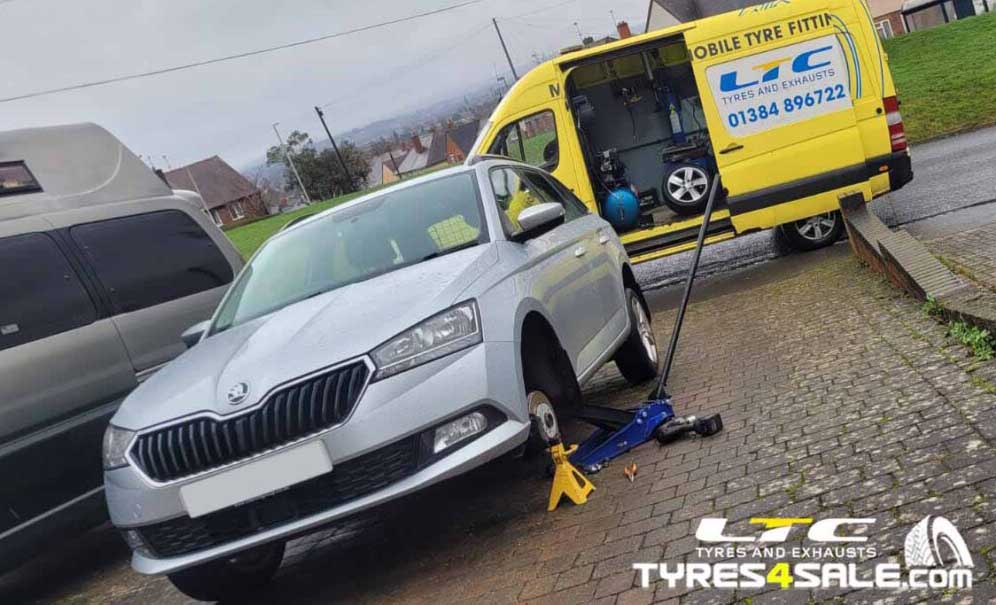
x,y
228,196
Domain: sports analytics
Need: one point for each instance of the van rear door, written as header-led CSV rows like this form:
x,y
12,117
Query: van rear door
x,y
779,84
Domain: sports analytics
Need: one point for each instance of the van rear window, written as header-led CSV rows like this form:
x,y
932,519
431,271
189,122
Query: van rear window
x,y
16,178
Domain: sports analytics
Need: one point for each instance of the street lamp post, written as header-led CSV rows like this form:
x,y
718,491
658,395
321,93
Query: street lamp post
x,y
290,161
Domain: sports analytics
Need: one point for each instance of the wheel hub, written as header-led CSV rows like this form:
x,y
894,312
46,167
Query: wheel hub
x,y
541,409
816,228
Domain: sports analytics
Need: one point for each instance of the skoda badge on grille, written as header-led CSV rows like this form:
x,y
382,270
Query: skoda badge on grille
x,y
237,394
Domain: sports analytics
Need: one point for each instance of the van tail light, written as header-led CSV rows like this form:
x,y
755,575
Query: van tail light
x,y
897,132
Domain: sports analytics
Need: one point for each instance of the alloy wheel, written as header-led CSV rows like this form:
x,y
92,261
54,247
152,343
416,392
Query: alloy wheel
x,y
645,331
817,228
688,184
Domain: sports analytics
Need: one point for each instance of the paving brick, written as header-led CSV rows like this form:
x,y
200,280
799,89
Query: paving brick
x,y
838,400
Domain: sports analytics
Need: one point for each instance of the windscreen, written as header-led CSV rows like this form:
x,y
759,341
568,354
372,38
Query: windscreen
x,y
398,229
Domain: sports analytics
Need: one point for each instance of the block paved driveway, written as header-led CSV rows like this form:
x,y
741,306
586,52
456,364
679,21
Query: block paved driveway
x,y
840,398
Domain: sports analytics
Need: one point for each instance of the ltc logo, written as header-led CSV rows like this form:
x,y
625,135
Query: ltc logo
x,y
776,529
800,64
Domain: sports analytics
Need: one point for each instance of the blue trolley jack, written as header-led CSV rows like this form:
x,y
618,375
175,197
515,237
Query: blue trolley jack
x,y
619,431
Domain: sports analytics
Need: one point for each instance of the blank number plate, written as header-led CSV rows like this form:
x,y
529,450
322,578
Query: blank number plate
x,y
256,479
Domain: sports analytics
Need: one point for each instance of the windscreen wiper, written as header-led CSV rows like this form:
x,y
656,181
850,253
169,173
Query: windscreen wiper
x,y
439,253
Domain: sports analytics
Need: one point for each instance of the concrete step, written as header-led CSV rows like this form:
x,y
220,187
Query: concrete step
x,y
909,265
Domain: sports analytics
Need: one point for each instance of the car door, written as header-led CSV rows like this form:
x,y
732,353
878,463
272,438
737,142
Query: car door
x,y
556,263
63,372
162,273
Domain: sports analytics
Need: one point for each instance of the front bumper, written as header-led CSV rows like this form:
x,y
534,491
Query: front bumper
x,y
379,454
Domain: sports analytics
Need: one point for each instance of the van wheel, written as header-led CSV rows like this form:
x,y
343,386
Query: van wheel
x,y
686,188
815,232
637,358
235,578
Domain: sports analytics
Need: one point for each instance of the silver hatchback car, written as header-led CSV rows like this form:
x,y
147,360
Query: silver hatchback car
x,y
363,354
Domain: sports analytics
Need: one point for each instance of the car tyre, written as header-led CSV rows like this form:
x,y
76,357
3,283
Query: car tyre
x,y
815,232
686,188
234,578
637,358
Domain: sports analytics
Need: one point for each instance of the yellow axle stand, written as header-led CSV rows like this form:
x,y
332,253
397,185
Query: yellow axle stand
x,y
567,480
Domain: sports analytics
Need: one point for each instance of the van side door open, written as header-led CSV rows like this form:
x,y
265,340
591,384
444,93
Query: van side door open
x,y
779,97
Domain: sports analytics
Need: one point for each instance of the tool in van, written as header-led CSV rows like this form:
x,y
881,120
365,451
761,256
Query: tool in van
x,y
619,431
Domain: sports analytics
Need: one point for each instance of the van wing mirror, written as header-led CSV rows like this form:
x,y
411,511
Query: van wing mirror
x,y
537,220
193,334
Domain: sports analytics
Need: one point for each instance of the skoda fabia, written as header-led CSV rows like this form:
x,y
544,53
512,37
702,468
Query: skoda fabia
x,y
363,354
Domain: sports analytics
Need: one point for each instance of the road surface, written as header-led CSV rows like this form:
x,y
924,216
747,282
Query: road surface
x,y
949,174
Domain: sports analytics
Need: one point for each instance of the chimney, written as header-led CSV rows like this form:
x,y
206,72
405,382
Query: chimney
x,y
623,28
417,144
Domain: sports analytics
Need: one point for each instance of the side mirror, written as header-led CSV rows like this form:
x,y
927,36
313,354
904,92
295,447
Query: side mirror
x,y
537,220
550,155
192,335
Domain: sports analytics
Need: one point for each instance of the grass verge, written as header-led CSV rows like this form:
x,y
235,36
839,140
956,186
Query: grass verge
x,y
946,76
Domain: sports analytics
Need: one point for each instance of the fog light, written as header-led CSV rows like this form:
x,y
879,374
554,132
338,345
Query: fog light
x,y
454,432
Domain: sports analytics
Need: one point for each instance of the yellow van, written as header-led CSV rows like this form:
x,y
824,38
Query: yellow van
x,y
791,102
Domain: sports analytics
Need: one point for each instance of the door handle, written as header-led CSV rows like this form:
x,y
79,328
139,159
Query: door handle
x,y
580,251
731,148
603,237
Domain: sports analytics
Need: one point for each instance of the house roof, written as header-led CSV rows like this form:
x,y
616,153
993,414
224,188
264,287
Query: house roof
x,y
464,135
376,174
217,183
690,10
437,150
682,10
434,153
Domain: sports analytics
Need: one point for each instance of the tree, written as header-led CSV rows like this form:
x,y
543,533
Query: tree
x,y
296,141
320,171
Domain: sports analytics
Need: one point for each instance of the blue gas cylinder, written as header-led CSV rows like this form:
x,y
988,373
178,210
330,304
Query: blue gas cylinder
x,y
621,208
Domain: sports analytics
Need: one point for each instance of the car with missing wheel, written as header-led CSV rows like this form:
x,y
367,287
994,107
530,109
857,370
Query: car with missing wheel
x,y
363,354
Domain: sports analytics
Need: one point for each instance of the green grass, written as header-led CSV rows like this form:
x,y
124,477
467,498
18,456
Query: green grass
x,y
977,339
946,77
250,237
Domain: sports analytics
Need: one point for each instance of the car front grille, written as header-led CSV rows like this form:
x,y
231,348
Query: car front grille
x,y
348,481
289,414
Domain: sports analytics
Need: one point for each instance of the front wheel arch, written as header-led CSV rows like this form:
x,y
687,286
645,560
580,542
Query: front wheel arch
x,y
545,364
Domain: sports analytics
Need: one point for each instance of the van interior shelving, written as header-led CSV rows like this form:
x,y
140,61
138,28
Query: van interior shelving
x,y
639,119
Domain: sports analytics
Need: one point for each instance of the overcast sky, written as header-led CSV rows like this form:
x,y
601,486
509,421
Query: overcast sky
x,y
228,108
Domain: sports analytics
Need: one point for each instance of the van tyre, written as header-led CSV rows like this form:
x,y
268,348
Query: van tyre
x,y
686,188
815,232
235,578
637,358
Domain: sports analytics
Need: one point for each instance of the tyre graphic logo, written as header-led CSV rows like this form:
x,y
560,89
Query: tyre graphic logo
x,y
935,542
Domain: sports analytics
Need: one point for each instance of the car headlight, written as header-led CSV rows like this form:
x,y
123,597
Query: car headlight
x,y
452,330
116,442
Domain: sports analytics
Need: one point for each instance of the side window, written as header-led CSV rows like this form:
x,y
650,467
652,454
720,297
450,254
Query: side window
x,y
531,140
41,294
149,259
554,192
571,201
515,190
